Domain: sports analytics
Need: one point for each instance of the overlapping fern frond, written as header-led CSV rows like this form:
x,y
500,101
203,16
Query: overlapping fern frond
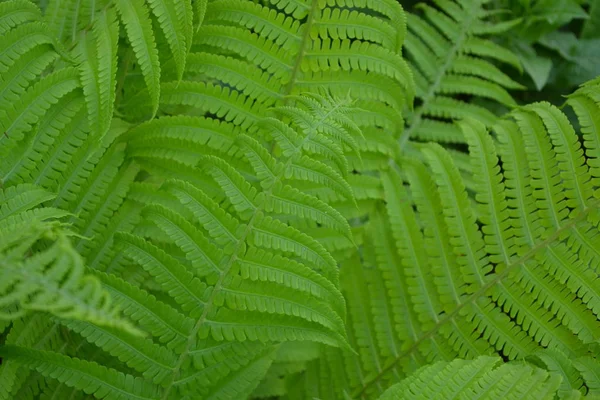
x,y
454,63
92,29
176,243
231,274
510,269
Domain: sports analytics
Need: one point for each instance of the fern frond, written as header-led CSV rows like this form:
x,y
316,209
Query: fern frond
x,y
451,57
84,375
480,377
235,264
506,267
66,18
51,279
20,40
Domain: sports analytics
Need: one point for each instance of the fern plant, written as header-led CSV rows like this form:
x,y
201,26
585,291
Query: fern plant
x,y
217,199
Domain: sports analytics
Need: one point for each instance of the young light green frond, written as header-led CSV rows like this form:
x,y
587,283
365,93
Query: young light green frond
x,y
84,375
482,377
135,16
52,280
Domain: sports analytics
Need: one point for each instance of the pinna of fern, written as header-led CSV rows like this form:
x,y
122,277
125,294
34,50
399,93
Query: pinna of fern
x,y
231,276
515,270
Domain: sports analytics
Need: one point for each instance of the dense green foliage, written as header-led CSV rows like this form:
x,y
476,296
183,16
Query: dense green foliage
x,y
299,199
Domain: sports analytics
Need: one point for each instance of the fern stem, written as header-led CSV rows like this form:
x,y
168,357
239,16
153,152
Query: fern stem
x,y
239,246
477,294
